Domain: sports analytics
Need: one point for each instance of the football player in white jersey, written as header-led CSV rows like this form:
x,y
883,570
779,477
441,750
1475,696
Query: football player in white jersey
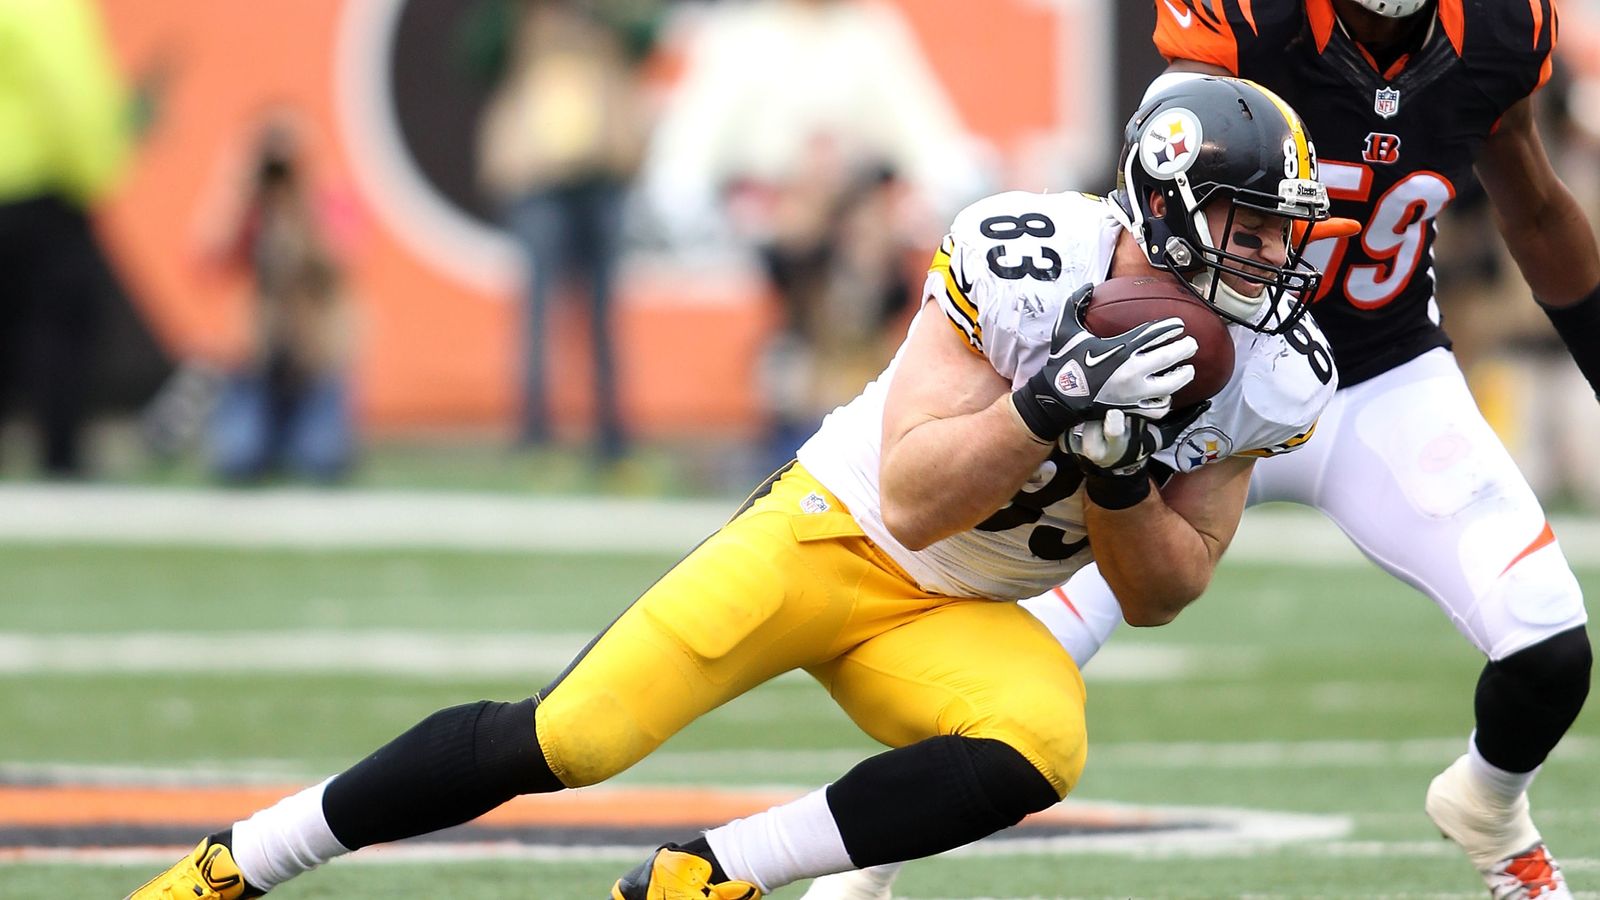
x,y
1002,449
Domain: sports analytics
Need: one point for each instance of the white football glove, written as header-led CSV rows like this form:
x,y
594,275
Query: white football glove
x,y
1121,443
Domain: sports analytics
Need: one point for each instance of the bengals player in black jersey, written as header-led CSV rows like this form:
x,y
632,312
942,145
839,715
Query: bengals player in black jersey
x,y
1406,101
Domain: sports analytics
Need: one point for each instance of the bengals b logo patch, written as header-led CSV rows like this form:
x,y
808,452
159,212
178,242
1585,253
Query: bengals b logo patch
x,y
1381,148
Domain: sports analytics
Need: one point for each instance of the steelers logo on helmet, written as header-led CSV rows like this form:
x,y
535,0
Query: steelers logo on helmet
x,y
1171,142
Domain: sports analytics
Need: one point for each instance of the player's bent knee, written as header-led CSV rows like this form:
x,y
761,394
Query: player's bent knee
x,y
1013,784
1558,666
1053,740
1058,758
983,785
1535,599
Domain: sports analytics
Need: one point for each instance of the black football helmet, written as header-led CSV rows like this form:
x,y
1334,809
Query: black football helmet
x,y
1207,140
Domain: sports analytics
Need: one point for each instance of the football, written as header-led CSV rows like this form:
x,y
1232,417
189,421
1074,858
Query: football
x,y
1119,304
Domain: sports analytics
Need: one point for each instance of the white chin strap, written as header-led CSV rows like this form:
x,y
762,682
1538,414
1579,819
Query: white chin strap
x,y
1253,310
1394,9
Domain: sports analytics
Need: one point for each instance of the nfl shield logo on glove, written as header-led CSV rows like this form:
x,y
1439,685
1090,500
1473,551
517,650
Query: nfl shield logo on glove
x,y
1386,102
1070,381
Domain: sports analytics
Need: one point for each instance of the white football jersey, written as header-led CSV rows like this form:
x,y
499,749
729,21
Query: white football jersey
x,y
1001,276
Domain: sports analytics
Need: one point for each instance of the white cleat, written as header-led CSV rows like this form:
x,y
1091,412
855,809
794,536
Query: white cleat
x,y
1500,839
1528,875
860,884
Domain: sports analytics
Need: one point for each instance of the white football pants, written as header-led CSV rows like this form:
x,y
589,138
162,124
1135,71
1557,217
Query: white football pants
x,y
1407,467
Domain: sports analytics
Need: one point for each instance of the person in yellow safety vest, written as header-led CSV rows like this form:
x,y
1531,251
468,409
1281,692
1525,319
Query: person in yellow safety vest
x,y
64,118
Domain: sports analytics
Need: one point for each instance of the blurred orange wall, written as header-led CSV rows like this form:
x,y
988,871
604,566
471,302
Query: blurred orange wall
x,y
437,349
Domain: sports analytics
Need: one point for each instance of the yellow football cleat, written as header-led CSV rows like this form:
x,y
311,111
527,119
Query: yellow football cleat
x,y
676,875
209,873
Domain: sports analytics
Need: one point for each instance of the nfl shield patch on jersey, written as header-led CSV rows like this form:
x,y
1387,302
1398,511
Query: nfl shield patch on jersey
x,y
1386,102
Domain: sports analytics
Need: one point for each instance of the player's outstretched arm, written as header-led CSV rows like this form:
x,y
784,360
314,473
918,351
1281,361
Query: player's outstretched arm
x,y
1185,527
1547,233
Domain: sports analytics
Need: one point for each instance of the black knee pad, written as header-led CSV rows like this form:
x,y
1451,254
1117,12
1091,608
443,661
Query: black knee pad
x,y
933,796
1527,701
1011,785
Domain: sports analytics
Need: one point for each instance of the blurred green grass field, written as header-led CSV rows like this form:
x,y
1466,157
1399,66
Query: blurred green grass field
x,y
1311,689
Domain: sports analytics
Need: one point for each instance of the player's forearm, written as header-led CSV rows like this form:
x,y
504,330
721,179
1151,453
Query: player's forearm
x,y
1155,561
944,476
1555,250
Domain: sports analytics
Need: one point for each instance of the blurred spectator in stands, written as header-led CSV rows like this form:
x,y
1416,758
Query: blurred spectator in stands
x,y
815,133
288,406
63,142
844,266
765,80
559,145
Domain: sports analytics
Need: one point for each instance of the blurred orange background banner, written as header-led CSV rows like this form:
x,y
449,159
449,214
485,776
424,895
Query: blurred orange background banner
x,y
437,300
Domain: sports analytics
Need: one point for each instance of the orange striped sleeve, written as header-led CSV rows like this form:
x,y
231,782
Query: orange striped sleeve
x,y
1454,19
1545,18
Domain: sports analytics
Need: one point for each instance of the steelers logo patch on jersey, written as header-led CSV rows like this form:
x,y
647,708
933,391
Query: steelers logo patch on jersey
x,y
1171,143
1201,447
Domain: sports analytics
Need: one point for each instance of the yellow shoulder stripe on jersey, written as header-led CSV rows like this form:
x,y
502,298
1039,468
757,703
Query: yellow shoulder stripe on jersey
x,y
959,304
1302,144
1284,447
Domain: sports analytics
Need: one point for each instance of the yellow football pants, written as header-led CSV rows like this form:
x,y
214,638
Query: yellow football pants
x,y
781,588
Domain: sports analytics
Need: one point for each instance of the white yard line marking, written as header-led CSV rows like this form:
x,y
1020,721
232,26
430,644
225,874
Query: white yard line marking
x,y
297,517
1196,831
456,655
293,652
1303,754
293,517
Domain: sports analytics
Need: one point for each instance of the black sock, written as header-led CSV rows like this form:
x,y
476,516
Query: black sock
x,y
1526,702
933,796
450,768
